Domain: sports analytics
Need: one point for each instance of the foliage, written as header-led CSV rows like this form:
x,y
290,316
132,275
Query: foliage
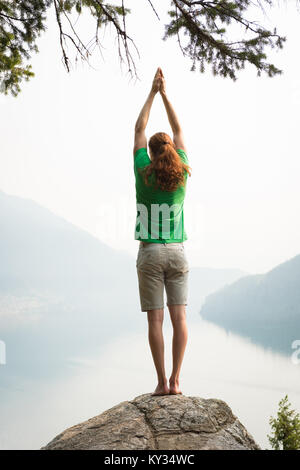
x,y
204,24
285,428
20,24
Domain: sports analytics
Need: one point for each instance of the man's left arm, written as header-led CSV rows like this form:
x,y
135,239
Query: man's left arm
x,y
140,139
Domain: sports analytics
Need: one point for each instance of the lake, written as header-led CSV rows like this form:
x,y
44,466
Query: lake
x,y
217,364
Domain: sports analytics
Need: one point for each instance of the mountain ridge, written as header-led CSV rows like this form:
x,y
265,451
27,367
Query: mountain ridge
x,y
264,307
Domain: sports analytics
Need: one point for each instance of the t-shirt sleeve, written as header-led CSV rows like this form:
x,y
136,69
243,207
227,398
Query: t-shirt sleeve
x,y
183,156
141,158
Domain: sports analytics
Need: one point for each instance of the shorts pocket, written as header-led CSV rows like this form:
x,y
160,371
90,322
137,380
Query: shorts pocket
x,y
179,261
138,258
186,266
148,259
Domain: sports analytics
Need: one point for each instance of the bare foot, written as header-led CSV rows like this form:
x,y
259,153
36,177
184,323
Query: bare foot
x,y
161,389
174,387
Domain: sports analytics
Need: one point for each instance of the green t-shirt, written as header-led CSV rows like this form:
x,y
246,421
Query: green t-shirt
x,y
160,217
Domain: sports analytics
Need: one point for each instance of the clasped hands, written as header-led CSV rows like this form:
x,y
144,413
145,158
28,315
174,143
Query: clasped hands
x,y
158,84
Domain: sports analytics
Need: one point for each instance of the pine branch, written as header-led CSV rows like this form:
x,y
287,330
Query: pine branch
x,y
199,19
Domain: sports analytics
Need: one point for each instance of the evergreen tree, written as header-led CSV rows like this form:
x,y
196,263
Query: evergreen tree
x,y
285,428
20,24
201,28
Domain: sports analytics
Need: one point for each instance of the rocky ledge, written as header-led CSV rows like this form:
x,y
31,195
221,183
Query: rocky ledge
x,y
168,422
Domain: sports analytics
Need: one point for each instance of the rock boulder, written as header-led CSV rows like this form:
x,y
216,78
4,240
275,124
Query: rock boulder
x,y
168,422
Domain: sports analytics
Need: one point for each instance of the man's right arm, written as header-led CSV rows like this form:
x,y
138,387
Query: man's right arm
x,y
174,123
173,119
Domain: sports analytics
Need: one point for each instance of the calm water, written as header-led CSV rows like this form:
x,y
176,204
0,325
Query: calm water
x,y
216,365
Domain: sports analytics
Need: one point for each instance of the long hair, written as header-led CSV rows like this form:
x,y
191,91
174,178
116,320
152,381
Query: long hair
x,y
166,164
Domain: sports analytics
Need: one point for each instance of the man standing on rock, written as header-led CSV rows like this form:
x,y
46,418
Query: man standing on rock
x,y
160,181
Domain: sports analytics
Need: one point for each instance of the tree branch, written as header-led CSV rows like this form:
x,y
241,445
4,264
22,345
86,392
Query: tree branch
x,y
149,1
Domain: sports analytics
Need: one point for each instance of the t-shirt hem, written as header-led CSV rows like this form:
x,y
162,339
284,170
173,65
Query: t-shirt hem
x,y
149,240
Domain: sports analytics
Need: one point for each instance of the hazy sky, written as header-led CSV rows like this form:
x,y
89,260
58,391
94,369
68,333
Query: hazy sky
x,y
66,142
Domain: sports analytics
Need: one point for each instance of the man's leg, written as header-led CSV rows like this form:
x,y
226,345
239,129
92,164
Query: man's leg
x,y
156,341
180,334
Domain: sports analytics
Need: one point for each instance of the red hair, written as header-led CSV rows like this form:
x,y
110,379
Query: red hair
x,y
166,164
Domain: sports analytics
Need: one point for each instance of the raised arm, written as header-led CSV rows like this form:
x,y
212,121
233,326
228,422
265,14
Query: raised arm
x,y
173,119
141,123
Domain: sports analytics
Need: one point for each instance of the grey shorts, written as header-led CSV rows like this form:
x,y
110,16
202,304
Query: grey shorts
x,y
159,266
